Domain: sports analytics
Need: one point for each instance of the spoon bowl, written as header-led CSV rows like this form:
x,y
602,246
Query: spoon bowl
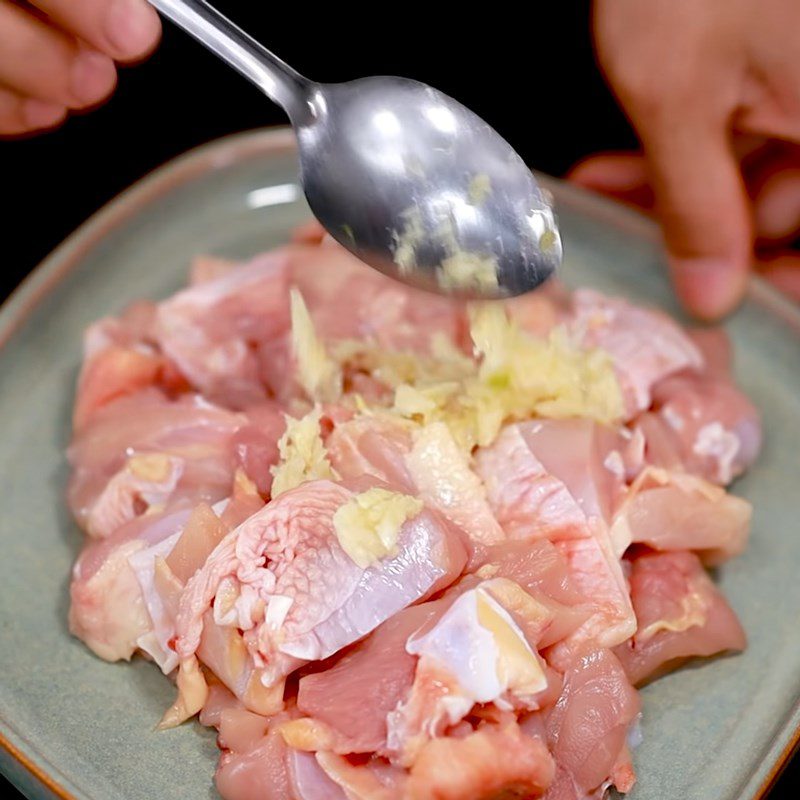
x,y
421,188
412,182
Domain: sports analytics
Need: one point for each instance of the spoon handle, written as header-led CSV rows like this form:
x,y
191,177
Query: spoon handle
x,y
275,78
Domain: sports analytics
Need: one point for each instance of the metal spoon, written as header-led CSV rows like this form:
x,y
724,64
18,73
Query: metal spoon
x,y
405,177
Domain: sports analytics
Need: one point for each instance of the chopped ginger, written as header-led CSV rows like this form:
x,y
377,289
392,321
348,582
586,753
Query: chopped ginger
x,y
303,454
480,187
153,467
468,271
317,373
192,694
518,377
515,376
367,526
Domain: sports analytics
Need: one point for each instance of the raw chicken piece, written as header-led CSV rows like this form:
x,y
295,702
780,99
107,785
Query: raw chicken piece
x,y
148,480
209,268
108,610
374,780
474,653
240,730
119,358
680,613
679,511
148,423
444,479
587,728
145,451
357,693
379,309
259,772
545,478
528,498
595,570
211,331
422,460
661,447
716,428
113,373
132,329
126,590
527,501
539,312
494,761
374,446
223,650
265,768
162,573
353,698
283,577
536,566
542,573
255,444
161,570
310,781
645,345
219,699
588,458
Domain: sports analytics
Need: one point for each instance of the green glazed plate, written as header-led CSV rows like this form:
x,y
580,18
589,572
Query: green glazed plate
x,y
74,726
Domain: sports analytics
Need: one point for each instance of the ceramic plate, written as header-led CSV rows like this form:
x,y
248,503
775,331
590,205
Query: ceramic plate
x,y
74,726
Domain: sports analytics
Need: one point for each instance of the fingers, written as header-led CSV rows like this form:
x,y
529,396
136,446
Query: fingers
x,y
622,176
783,272
59,54
611,171
777,206
41,62
674,68
20,115
125,30
703,207
777,216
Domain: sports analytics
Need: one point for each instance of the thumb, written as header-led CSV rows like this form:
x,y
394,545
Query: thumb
x,y
703,207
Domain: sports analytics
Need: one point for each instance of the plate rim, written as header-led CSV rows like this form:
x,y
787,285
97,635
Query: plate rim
x,y
216,155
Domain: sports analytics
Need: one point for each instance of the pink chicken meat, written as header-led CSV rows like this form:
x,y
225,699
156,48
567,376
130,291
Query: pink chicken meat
x,y
374,554
298,596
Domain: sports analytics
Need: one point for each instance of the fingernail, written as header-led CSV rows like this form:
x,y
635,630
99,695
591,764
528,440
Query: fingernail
x,y
132,27
708,287
39,115
93,77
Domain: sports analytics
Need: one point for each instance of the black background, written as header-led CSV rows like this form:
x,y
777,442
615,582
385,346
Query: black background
x,y
530,74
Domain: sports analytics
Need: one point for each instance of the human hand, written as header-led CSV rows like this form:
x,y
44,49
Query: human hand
x,y
771,171
58,55
699,79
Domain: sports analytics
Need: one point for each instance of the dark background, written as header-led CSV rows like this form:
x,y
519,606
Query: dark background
x,y
531,75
